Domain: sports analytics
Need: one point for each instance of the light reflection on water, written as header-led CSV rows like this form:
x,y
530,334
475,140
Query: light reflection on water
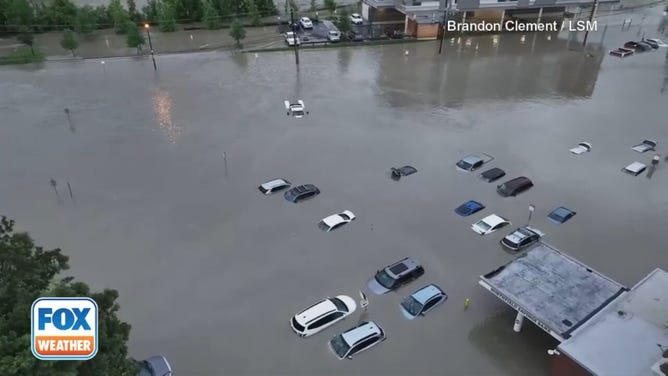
x,y
162,107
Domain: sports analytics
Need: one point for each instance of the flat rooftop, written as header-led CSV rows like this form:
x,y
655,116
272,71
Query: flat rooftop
x,y
623,338
552,289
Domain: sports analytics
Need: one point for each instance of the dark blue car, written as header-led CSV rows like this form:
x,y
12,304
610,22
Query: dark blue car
x,y
301,192
561,215
469,207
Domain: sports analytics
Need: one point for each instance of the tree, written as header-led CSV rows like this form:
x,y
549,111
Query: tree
x,y
237,32
225,9
69,41
150,11
254,13
85,20
344,22
28,272
294,6
166,16
102,17
286,6
19,14
28,39
192,10
266,7
61,14
132,10
119,16
312,5
331,6
210,15
134,37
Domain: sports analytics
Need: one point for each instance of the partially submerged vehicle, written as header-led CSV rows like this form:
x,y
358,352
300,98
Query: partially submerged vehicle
x,y
473,162
635,168
422,301
274,186
561,215
492,174
397,173
644,146
521,238
297,109
515,186
621,52
469,207
583,147
336,220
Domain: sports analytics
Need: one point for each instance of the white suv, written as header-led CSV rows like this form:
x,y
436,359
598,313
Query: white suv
x,y
322,315
356,340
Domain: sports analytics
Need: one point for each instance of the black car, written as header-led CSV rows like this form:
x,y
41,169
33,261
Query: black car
x,y
651,43
355,36
638,47
521,238
514,187
397,173
492,174
301,192
394,276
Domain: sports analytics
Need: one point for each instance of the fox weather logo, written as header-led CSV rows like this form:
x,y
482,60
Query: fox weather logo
x,y
64,328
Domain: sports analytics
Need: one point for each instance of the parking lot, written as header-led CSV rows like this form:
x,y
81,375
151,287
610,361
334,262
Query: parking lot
x,y
318,34
166,207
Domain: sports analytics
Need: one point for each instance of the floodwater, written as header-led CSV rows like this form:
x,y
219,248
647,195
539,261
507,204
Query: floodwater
x,y
164,169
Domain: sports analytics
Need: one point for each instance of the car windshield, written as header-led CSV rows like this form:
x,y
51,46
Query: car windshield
x,y
344,216
483,225
341,306
340,346
384,279
297,325
323,226
412,306
464,165
334,33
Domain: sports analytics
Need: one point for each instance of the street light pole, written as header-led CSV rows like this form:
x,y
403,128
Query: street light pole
x,y
150,44
591,18
294,35
445,20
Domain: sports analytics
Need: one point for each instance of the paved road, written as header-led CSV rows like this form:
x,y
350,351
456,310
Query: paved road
x,y
210,271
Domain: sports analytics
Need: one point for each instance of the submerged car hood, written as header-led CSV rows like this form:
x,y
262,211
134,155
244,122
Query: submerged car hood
x,y
376,287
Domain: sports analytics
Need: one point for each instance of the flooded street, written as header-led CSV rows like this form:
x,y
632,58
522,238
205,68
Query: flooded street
x,y
164,169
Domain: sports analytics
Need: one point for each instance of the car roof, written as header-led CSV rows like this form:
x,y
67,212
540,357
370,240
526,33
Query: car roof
x,y
635,167
493,220
333,220
317,310
304,188
402,266
519,235
274,183
561,211
472,204
354,335
520,180
426,293
355,14
493,172
471,159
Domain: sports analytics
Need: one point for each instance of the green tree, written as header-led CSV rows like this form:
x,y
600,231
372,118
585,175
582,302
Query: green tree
x,y
132,10
286,7
313,5
150,11
61,14
266,7
237,32
134,37
28,272
210,15
254,13
28,39
102,17
192,10
85,21
225,8
331,6
69,41
166,16
294,6
344,21
119,16
19,14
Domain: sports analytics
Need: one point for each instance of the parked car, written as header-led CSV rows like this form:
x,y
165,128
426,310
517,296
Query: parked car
x,y
274,186
422,301
356,19
291,38
583,147
395,275
473,162
513,187
337,220
648,46
635,168
637,47
394,34
156,365
397,173
297,109
644,146
356,340
521,238
305,23
621,52
492,174
489,224
561,215
334,36
658,42
355,36
322,315
301,192
469,207
652,43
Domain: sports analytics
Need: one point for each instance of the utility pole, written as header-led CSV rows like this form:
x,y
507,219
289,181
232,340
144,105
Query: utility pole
x,y
591,18
294,34
150,44
445,20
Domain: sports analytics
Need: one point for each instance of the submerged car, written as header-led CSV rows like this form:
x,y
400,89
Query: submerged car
x,y
651,43
521,238
489,224
156,365
301,192
473,162
621,52
397,173
635,168
334,36
422,301
583,147
356,340
637,46
322,315
337,220
355,36
395,275
356,19
296,109
561,215
274,186
515,186
656,41
492,174
469,207
644,146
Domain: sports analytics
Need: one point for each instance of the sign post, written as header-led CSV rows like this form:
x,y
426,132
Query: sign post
x,y
531,210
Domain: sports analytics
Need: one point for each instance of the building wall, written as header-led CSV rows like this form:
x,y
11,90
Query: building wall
x,y
561,365
427,31
385,15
